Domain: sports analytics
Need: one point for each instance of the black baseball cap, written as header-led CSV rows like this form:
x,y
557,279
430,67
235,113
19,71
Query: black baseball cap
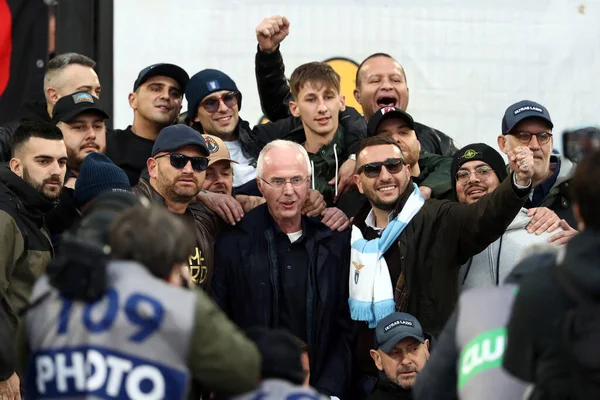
x,y
176,136
385,113
395,327
522,110
68,107
162,69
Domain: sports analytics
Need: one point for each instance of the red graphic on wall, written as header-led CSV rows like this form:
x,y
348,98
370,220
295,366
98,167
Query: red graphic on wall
x,y
5,44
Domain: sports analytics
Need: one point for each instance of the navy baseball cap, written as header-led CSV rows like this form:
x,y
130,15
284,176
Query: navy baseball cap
x,y
170,70
395,327
522,110
68,107
176,136
385,113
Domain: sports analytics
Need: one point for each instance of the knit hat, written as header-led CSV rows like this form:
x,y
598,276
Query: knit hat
x,y
97,175
280,354
480,152
204,83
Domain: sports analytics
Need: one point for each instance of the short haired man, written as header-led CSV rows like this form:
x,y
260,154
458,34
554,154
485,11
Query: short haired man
x,y
401,351
155,336
477,169
380,82
267,268
156,103
546,331
428,243
65,74
176,167
29,189
527,123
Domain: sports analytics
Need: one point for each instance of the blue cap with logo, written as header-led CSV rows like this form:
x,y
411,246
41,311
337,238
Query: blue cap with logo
x,y
522,110
395,327
176,136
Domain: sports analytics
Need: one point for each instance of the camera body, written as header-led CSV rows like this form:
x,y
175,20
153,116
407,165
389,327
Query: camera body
x,y
580,142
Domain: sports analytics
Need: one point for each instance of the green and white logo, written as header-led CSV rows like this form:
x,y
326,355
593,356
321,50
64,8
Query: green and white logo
x,y
482,353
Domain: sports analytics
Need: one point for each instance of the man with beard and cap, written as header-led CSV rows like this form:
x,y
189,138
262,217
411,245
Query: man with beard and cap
x,y
66,73
423,243
29,188
401,351
83,124
156,103
380,82
176,167
527,123
477,169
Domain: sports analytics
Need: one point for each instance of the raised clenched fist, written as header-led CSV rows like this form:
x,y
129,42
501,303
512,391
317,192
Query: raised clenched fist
x,y
271,31
520,160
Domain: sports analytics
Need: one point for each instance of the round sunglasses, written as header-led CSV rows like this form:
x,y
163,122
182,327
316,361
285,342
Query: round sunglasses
x,y
179,161
211,105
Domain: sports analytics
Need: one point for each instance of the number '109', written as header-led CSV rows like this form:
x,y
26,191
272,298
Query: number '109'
x,y
136,310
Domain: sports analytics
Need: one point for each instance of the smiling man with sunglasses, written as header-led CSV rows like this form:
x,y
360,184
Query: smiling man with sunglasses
x,y
527,123
423,243
176,167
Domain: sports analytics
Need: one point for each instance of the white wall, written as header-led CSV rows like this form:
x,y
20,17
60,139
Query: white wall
x,y
466,60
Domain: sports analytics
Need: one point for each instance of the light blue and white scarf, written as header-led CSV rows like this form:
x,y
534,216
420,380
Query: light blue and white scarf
x,y
371,289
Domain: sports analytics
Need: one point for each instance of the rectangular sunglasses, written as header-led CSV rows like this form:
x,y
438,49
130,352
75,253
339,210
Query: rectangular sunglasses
x,y
372,170
179,161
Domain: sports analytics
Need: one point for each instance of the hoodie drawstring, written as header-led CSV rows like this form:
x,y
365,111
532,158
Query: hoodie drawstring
x,y
336,168
312,173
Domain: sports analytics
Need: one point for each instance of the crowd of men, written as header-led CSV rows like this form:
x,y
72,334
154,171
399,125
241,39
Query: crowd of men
x,y
324,253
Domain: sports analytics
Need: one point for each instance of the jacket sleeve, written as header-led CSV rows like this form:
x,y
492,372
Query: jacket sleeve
x,y
264,133
355,129
219,285
335,378
222,359
11,246
273,89
439,378
479,224
436,170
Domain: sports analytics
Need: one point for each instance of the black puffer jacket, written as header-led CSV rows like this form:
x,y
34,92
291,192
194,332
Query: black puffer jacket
x,y
274,93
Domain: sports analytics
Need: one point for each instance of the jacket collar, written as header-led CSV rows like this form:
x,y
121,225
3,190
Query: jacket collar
x,y
260,218
35,205
385,385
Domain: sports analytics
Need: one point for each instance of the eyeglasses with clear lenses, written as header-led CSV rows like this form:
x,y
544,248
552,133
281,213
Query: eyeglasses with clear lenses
x,y
179,161
279,183
212,104
372,170
525,137
482,173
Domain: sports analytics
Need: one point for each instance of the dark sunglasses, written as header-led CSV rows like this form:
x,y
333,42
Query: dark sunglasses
x,y
372,170
179,161
211,105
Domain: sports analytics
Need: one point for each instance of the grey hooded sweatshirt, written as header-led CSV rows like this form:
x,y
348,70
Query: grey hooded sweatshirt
x,y
494,264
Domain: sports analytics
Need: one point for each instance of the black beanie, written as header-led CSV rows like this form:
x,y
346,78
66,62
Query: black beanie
x,y
280,354
479,152
204,83
98,174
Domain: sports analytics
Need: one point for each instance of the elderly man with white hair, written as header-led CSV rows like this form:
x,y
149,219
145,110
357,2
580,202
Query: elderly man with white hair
x,y
278,268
